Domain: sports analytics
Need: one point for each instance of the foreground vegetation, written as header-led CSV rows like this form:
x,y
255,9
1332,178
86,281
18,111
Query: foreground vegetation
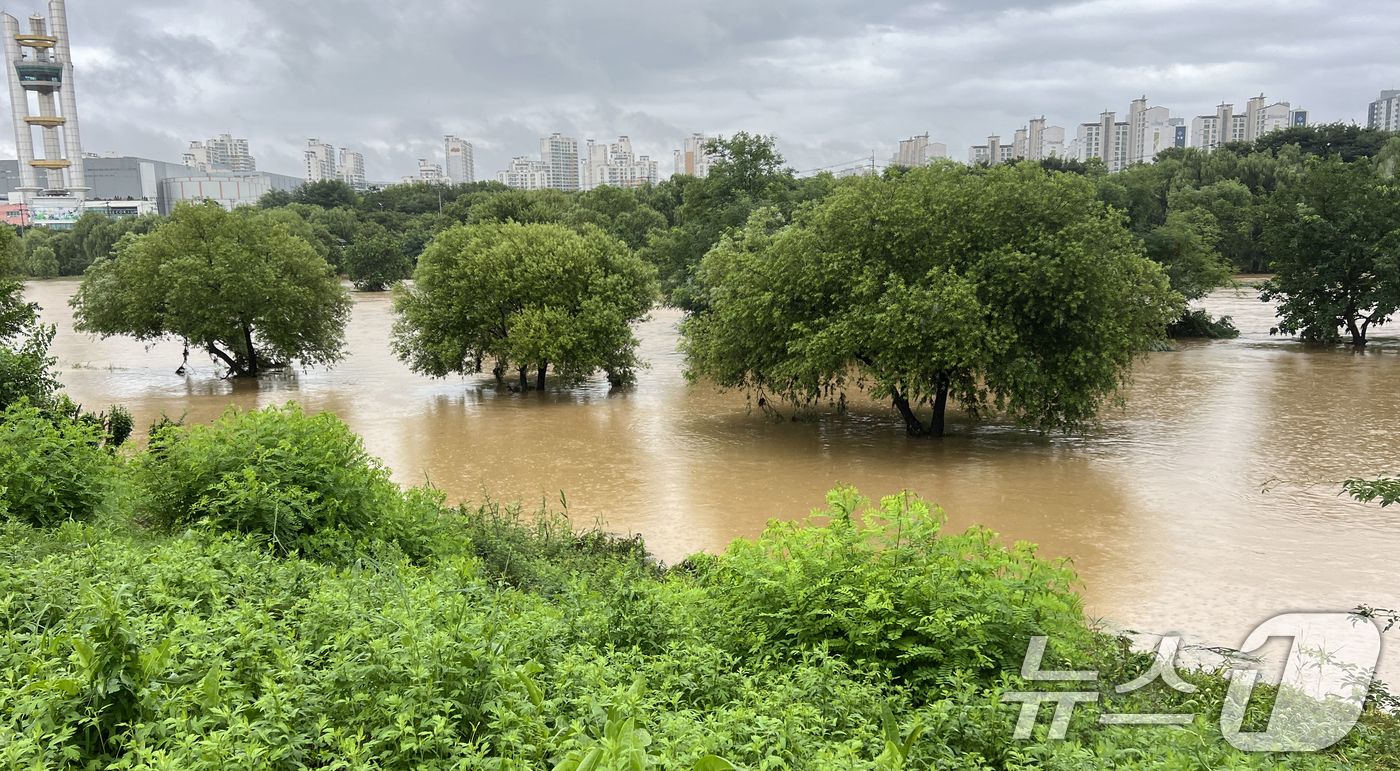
x,y
257,594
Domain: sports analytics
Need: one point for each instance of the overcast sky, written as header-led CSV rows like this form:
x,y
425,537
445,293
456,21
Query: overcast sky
x,y
832,79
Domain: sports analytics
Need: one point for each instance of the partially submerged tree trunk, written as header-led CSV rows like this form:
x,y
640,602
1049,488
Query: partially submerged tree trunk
x,y
940,408
539,379
228,361
524,379
252,352
1358,332
912,425
915,427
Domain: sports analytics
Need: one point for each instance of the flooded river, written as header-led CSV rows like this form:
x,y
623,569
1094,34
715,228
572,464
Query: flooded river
x,y
1206,505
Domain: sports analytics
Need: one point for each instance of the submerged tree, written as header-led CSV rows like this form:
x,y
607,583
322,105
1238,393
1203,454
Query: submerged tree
x,y
524,297
238,285
999,289
376,262
1334,234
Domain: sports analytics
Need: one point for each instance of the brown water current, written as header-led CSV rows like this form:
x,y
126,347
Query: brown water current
x,y
1207,504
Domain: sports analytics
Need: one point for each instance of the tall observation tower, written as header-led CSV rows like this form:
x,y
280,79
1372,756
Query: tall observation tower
x,y
39,62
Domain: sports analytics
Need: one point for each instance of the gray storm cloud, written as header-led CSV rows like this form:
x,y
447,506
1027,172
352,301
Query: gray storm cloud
x,y
833,79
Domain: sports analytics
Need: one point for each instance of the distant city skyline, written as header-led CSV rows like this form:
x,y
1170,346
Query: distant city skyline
x,y
835,82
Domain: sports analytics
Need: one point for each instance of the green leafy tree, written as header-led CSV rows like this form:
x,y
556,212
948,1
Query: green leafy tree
x,y
25,364
1334,234
326,193
51,470
275,199
238,285
376,263
747,173
1186,247
526,297
1350,141
1004,288
43,262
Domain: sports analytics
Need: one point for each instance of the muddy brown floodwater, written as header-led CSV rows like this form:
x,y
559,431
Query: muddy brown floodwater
x,y
1207,504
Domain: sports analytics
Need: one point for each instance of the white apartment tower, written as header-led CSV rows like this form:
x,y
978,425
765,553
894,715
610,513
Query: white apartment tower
x,y
918,151
222,153
320,161
1259,118
351,169
524,173
1384,113
693,160
460,169
560,156
616,165
40,62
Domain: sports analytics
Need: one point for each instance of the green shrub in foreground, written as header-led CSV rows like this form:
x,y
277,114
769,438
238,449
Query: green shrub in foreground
x,y
885,586
276,472
51,470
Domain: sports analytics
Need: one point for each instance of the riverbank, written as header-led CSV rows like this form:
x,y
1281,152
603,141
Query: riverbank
x,y
510,641
1206,505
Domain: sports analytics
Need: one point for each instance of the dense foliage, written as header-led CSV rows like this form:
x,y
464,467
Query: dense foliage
x,y
1000,289
24,349
524,297
51,470
238,285
376,263
859,639
1334,233
304,483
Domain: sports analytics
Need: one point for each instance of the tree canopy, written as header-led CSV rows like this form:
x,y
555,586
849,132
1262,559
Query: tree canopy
x,y
1000,289
1334,233
238,285
376,262
526,297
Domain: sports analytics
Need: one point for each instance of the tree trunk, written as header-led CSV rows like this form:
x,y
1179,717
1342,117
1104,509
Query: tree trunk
x,y
1358,334
524,379
252,352
912,425
539,380
228,360
940,408
500,373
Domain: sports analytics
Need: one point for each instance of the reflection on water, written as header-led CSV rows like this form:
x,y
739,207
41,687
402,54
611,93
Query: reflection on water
x,y
1206,505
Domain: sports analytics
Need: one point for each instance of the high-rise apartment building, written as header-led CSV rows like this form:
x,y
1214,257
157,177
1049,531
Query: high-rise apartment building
x,y
320,161
616,165
1259,118
222,153
1044,141
918,151
559,154
351,169
524,173
992,153
460,168
693,159
40,62
1384,113
1108,140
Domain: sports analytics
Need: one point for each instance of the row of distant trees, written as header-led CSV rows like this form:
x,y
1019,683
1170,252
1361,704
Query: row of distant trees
x,y
1017,289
